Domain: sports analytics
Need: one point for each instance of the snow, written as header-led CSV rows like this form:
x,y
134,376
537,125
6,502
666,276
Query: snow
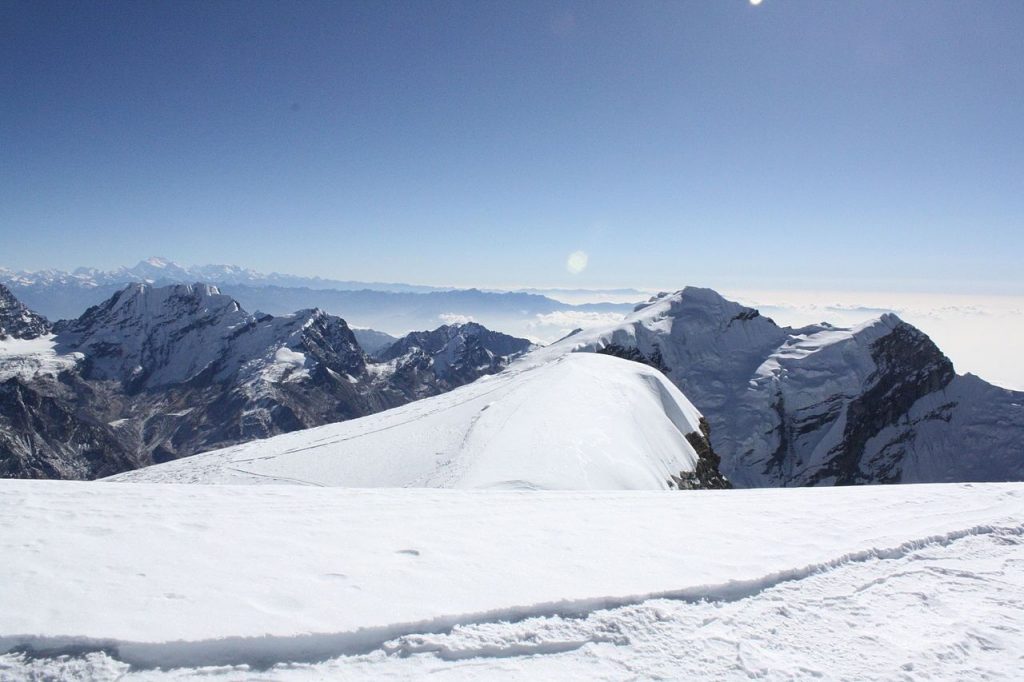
x,y
583,421
26,359
767,390
287,365
295,582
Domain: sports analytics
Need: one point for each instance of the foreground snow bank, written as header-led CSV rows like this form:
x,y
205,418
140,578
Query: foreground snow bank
x,y
580,422
180,576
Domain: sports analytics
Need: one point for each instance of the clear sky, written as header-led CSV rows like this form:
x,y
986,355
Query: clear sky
x,y
858,144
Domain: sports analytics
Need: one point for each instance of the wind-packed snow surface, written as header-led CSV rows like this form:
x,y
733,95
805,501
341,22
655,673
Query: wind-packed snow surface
x,y
158,581
581,421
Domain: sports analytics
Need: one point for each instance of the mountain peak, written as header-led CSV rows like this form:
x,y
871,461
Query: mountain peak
x,y
162,334
18,321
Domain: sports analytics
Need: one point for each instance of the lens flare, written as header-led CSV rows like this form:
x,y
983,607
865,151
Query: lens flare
x,y
577,262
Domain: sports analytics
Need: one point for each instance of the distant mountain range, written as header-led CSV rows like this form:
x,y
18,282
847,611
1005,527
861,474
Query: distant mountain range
x,y
393,308
156,373
156,269
814,406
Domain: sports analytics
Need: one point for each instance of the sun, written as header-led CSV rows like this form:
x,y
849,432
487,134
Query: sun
x,y
577,262
755,3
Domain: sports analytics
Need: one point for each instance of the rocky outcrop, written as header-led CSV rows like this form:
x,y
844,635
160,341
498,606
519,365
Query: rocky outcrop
x,y
627,353
909,366
707,475
17,321
426,363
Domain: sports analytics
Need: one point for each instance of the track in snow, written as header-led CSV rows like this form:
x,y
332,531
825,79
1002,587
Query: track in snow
x,y
265,652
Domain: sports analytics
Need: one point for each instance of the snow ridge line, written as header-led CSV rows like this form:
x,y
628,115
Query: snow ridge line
x,y
263,652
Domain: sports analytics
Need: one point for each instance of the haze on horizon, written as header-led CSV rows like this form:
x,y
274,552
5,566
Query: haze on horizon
x,y
788,145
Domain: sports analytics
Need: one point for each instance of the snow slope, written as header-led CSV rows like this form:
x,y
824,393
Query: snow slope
x,y
819,405
577,422
842,582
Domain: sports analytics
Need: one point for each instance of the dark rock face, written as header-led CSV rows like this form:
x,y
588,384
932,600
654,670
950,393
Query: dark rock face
x,y
706,476
427,363
654,359
167,372
44,435
909,367
17,321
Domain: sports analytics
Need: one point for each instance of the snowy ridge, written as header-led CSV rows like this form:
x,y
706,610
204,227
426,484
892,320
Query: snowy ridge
x,y
820,405
578,422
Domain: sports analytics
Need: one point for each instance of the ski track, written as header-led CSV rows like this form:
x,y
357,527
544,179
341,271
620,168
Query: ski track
x,y
283,479
262,653
418,416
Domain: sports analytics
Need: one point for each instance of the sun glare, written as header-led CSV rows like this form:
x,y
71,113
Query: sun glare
x,y
577,262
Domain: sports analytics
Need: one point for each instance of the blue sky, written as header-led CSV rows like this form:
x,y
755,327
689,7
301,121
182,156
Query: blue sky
x,y
840,145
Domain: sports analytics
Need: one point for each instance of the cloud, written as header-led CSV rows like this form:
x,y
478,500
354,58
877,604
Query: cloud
x,y
577,262
980,334
455,318
572,319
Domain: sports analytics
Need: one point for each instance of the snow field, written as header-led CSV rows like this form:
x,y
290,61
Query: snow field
x,y
171,576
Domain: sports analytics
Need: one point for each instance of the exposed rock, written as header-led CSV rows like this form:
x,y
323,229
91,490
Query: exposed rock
x,y
706,475
17,321
426,363
654,359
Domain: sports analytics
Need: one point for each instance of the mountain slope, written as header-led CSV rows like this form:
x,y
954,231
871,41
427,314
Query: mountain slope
x,y
578,422
821,405
157,373
446,358
17,321
371,340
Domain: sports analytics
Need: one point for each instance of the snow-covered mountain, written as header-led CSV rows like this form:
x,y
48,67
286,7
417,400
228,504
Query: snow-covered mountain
x,y
820,405
17,321
579,422
156,270
389,307
450,356
184,368
156,373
